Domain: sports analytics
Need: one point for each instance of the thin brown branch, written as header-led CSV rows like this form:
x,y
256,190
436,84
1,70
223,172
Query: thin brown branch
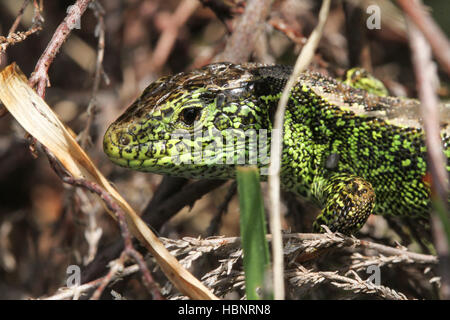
x,y
170,33
115,267
39,77
19,17
14,37
425,23
115,208
120,214
426,79
280,25
171,196
250,26
70,293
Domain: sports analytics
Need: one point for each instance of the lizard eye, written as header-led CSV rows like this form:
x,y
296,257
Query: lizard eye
x,y
189,115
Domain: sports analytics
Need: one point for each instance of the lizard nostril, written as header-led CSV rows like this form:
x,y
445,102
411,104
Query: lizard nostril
x,y
125,140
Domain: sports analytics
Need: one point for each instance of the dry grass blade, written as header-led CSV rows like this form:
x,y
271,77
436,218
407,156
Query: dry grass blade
x,y
302,62
39,120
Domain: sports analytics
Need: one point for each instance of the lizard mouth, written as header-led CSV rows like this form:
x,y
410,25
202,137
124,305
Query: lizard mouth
x,y
123,148
154,156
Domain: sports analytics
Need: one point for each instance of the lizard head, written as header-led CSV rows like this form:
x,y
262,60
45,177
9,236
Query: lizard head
x,y
199,123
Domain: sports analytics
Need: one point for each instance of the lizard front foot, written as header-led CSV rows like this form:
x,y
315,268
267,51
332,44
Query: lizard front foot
x,y
348,202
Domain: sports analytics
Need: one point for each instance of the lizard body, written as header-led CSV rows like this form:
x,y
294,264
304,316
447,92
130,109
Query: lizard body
x,y
350,151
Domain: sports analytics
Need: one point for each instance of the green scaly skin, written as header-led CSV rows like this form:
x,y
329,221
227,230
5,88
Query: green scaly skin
x,y
352,152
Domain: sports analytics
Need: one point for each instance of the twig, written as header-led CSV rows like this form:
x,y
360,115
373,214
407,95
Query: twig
x,y
247,31
39,77
170,33
69,293
121,217
436,38
386,250
276,147
171,197
14,37
302,277
128,246
287,30
116,267
426,78
19,17
360,262
92,232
